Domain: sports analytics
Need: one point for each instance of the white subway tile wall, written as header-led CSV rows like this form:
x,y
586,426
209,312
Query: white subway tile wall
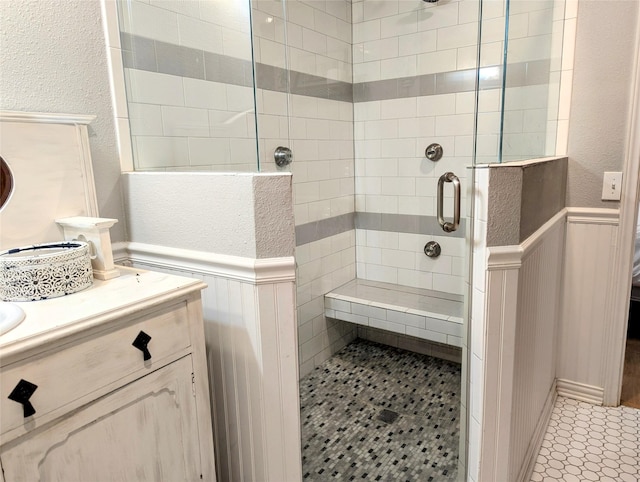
x,y
318,36
179,120
421,324
423,38
416,345
476,346
399,258
532,113
323,265
392,175
219,134
322,142
201,25
570,12
394,39
319,131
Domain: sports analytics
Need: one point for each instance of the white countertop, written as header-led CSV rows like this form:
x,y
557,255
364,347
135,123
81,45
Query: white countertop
x,y
133,290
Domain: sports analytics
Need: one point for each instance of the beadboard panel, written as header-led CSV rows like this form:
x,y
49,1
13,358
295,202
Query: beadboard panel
x,y
530,457
252,352
523,285
252,360
590,248
539,291
501,301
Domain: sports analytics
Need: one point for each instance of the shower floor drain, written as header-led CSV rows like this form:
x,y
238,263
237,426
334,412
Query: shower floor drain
x,y
387,416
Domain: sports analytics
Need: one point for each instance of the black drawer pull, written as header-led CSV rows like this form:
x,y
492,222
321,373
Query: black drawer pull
x,y
21,394
141,342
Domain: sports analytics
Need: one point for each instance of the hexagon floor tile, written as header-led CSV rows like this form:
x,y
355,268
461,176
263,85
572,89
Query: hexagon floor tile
x,y
586,442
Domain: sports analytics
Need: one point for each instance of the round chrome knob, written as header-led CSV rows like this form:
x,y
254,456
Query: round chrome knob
x,y
283,156
432,249
433,152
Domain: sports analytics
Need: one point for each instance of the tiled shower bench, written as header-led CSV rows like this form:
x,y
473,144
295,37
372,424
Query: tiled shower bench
x,y
430,315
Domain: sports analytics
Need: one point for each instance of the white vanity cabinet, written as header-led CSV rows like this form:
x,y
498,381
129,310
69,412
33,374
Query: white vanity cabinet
x,y
104,409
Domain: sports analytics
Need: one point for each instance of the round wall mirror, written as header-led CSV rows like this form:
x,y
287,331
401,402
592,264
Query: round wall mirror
x,y
6,182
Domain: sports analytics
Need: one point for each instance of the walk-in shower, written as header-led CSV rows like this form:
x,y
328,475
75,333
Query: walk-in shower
x,y
387,106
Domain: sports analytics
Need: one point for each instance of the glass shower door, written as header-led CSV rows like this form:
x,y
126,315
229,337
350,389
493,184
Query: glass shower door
x,y
189,83
372,273
272,78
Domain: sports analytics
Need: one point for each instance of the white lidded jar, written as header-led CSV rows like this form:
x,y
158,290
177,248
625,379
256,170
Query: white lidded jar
x,y
45,271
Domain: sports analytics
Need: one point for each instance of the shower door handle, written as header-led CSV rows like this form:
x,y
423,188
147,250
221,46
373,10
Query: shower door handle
x,y
448,227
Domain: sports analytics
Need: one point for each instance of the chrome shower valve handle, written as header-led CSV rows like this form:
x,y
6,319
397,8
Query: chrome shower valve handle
x,y
282,156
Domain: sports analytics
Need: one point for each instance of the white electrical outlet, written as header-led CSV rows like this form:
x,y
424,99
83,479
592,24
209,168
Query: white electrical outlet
x,y
612,186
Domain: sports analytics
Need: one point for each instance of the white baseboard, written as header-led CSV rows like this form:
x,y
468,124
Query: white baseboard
x,y
580,391
536,442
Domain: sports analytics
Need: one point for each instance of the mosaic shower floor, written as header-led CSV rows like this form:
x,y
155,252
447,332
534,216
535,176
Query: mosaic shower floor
x,y
374,412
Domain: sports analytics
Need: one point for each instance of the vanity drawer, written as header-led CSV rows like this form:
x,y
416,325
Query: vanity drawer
x,y
74,372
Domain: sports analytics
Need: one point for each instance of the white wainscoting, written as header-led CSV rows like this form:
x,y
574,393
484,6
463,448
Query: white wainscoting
x,y
523,289
534,374
251,338
587,302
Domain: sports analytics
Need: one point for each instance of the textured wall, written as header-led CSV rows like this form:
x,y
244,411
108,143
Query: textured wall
x,y
53,59
522,197
504,203
273,215
160,208
604,58
543,194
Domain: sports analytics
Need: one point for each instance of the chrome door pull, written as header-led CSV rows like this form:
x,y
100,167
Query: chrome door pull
x,y
448,227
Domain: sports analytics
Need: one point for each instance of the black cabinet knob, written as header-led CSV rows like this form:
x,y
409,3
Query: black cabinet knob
x,y
21,394
141,342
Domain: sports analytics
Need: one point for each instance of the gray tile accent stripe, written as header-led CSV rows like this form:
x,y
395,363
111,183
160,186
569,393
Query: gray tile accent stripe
x,y
177,60
528,73
518,75
165,58
155,56
228,70
315,86
276,78
317,230
406,223
138,52
402,223
269,77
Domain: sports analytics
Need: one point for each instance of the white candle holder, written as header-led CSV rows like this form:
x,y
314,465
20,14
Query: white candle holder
x,y
94,231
